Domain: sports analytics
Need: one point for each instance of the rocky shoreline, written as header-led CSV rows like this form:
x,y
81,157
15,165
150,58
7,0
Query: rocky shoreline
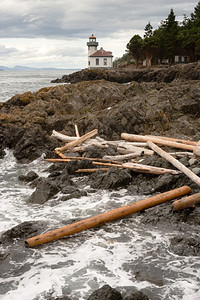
x,y
159,102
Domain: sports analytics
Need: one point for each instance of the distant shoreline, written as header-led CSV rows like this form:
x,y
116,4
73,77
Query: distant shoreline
x,y
25,68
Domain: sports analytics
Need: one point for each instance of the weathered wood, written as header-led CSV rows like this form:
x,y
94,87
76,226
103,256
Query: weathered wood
x,y
70,158
124,143
107,164
196,150
181,154
60,154
78,141
139,168
76,130
186,202
174,162
173,139
148,169
91,170
141,138
129,148
106,217
63,137
121,157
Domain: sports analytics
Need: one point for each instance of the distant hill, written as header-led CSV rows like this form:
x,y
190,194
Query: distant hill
x,y
25,68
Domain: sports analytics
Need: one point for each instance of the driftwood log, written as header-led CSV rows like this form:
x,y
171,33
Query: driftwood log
x,y
141,138
196,150
186,202
63,137
121,157
139,168
173,139
106,217
91,170
127,148
70,158
78,141
174,162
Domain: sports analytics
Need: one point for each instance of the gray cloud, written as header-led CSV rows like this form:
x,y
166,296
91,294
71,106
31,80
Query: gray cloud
x,y
59,19
54,32
6,50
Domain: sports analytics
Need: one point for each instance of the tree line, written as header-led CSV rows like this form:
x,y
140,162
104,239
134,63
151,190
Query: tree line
x,y
170,39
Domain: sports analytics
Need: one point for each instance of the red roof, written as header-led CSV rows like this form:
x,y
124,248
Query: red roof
x,y
92,37
101,52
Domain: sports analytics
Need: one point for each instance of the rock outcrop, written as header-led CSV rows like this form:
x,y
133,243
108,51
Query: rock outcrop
x,y
27,120
124,75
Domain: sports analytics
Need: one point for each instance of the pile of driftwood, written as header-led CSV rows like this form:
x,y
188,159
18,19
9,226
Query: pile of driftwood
x,y
130,149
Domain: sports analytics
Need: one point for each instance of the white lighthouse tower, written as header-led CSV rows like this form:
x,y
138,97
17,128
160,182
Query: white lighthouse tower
x,y
92,45
98,58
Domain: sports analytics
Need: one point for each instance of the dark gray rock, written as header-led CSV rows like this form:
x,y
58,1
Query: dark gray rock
x,y
22,231
135,295
74,194
28,177
45,190
14,255
186,245
105,293
112,179
150,274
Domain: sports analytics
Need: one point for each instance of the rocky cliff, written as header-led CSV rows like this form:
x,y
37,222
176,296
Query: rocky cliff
x,y
123,75
27,120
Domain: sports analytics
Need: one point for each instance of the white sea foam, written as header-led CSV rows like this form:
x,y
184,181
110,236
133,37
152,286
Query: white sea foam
x,y
78,265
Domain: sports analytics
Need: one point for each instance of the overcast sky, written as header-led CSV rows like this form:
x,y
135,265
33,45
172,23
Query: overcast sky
x,y
54,33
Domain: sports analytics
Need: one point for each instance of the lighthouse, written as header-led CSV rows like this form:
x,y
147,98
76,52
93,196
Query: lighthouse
x,y
92,45
98,58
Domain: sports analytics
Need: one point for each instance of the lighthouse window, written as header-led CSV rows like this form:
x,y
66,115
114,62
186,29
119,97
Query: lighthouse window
x,y
105,61
88,47
97,61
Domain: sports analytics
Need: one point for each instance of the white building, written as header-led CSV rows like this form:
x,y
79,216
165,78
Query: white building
x,y
98,58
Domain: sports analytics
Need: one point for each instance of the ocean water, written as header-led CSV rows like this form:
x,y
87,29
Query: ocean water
x,y
78,265
18,82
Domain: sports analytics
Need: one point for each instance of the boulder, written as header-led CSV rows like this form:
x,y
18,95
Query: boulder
x,y
185,245
45,190
135,295
30,176
105,293
112,179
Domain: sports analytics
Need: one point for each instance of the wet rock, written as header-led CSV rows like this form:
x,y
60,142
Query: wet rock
x,y
45,190
28,177
22,231
135,295
150,274
58,298
105,293
186,245
75,194
14,258
112,179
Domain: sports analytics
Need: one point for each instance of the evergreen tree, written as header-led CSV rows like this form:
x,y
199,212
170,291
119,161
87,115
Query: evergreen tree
x,y
150,44
170,31
148,31
135,47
